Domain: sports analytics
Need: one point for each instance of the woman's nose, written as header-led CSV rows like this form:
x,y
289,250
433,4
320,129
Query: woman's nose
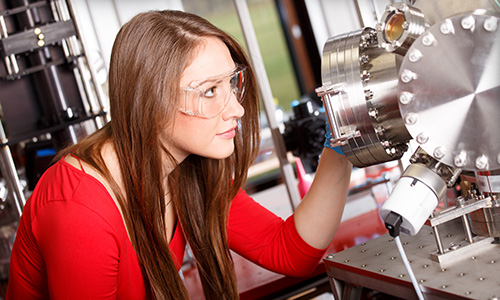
x,y
234,109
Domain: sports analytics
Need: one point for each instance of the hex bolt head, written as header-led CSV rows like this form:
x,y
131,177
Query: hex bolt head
x,y
491,24
468,22
482,162
406,98
422,138
447,27
411,119
439,152
415,55
460,160
428,39
407,76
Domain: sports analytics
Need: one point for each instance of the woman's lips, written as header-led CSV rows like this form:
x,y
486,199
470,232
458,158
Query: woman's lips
x,y
228,134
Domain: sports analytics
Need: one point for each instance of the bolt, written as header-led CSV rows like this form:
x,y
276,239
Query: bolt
x,y
379,130
407,76
396,44
407,97
365,75
482,162
439,152
405,25
460,160
491,24
363,59
373,113
468,22
41,43
447,27
363,266
37,31
411,119
422,138
368,94
428,40
330,256
415,55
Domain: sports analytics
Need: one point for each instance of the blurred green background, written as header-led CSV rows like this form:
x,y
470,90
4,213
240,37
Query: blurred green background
x,y
270,36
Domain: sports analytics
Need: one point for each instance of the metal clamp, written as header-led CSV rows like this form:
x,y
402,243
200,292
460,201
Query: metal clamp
x,y
331,96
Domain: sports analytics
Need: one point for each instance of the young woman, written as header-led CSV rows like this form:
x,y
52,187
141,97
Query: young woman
x,y
111,218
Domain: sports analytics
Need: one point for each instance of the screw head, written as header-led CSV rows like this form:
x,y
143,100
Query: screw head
x,y
482,162
491,24
439,152
422,138
411,119
428,39
407,76
447,27
468,22
407,97
460,160
415,55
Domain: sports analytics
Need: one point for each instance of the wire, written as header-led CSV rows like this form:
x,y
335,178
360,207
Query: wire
x,y
408,268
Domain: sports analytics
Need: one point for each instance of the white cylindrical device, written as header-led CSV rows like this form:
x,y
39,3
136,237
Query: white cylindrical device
x,y
414,197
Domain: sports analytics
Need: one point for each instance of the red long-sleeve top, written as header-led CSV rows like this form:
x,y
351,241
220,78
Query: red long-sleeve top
x,y
72,243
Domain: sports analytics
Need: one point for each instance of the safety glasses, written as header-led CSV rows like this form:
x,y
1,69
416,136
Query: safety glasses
x,y
206,98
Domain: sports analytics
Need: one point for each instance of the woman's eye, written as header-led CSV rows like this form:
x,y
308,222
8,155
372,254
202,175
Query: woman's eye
x,y
210,92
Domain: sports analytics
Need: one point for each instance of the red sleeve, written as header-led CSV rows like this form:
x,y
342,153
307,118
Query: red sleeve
x,y
79,249
267,240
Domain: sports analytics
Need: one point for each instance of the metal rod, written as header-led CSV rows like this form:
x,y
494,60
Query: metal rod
x,y
267,100
438,240
467,228
9,171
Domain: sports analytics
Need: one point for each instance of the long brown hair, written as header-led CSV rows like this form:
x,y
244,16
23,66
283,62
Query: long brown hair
x,y
148,58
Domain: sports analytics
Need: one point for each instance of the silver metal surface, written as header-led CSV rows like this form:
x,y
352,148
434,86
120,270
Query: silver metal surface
x,y
428,177
400,26
455,87
377,265
437,10
368,105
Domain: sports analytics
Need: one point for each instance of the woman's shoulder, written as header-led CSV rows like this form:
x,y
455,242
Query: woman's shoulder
x,y
67,183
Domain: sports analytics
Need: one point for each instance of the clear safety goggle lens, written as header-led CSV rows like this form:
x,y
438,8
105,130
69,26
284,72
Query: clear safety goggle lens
x,y
208,97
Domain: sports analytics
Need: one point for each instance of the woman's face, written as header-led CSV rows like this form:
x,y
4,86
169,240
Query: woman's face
x,y
207,137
